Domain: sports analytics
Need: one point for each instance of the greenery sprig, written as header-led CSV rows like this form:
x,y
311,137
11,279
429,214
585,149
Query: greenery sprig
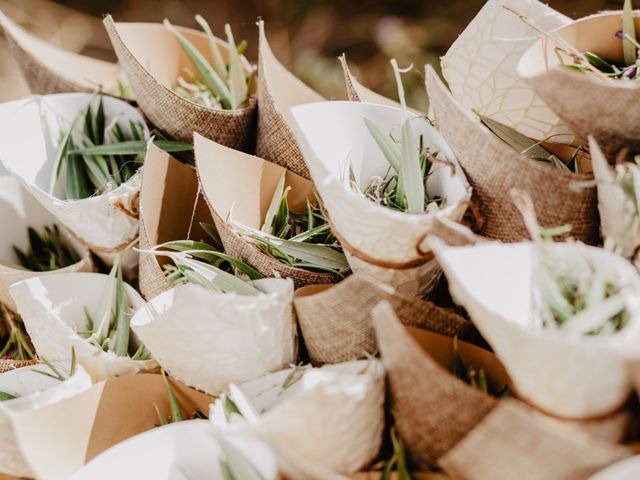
x,y
47,251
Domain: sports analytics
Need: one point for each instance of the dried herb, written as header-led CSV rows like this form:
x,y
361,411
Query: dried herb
x,y
627,178
17,345
398,460
47,251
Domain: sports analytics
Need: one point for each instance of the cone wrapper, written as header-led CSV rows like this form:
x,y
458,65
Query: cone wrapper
x,y
278,91
54,310
356,92
34,391
153,60
240,186
626,468
480,67
208,340
494,168
19,211
107,222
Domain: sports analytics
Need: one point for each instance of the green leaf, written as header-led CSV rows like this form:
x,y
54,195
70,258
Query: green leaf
x,y
411,171
4,396
77,184
237,78
389,148
208,275
132,147
62,152
598,62
174,406
121,315
218,62
629,30
236,463
267,227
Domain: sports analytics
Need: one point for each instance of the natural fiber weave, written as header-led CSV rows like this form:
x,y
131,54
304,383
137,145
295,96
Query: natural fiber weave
x,y
151,278
174,115
275,139
335,321
433,409
8,365
493,169
349,81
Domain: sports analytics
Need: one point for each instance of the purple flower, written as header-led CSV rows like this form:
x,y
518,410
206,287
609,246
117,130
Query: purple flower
x,y
631,72
619,35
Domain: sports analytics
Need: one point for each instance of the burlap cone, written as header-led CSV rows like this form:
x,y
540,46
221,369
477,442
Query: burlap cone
x,y
609,110
49,69
278,91
335,321
8,365
152,59
356,92
493,168
241,186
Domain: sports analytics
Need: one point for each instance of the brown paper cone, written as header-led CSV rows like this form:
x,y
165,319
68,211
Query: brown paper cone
x,y
335,320
8,365
168,196
278,91
609,110
241,186
49,69
153,60
494,168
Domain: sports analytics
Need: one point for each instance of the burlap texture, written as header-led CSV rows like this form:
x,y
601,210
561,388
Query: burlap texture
x,y
174,115
275,139
493,168
433,409
8,365
151,278
349,81
335,321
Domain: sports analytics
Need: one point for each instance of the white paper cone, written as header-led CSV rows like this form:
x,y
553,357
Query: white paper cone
x,y
32,129
54,309
627,469
19,211
480,67
208,340
569,376
34,390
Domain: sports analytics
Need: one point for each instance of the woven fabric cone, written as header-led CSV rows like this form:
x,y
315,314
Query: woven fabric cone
x,y
335,139
19,211
33,391
480,67
356,92
329,417
278,91
106,223
241,186
434,410
8,365
153,60
607,109
511,443
189,328
49,69
335,321
171,209
494,282
494,168
54,309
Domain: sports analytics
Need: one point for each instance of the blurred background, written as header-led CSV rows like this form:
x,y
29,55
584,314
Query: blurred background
x,y
306,35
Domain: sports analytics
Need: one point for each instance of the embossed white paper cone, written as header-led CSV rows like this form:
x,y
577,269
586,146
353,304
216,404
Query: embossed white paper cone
x,y
208,340
54,309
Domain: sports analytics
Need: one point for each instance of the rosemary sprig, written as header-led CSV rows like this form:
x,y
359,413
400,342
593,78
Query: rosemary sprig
x,y
47,251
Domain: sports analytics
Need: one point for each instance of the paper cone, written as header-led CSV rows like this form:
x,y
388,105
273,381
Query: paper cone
x,y
335,320
153,60
624,469
606,109
107,222
573,377
332,136
168,198
494,168
208,340
241,186
480,67
330,417
54,309
34,391
50,69
95,420
278,91
19,211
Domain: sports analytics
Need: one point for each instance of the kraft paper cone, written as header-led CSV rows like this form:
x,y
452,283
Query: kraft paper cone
x,y
494,168
32,128
569,376
97,419
335,320
239,186
208,340
19,211
50,69
168,198
278,91
153,60
34,391
330,418
480,67
604,108
333,136
54,309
